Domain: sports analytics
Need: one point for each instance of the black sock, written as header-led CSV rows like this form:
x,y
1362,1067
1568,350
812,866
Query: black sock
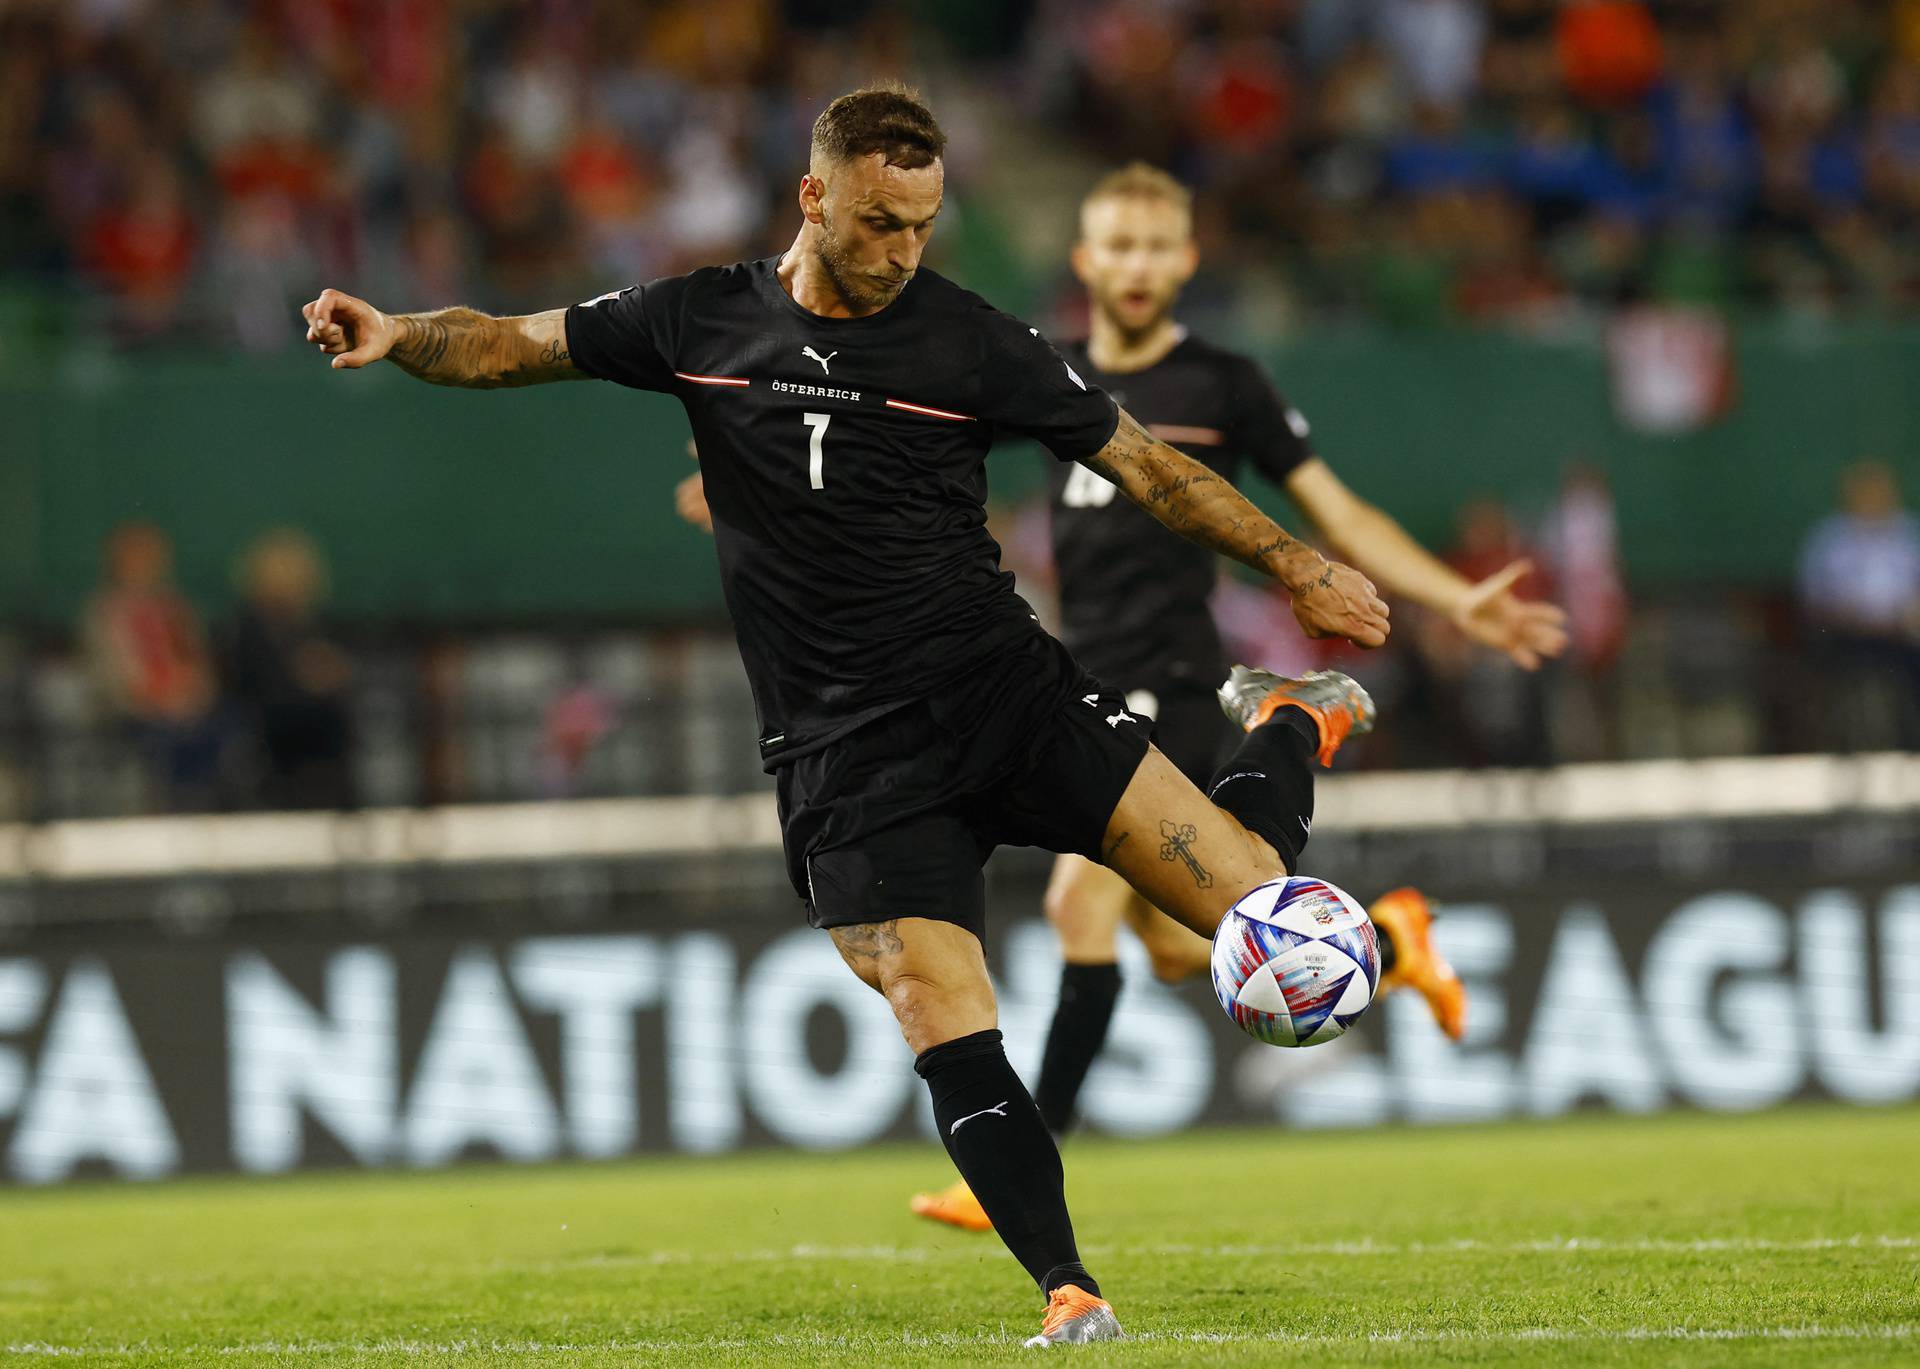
x,y
1003,1150
1268,782
1079,1031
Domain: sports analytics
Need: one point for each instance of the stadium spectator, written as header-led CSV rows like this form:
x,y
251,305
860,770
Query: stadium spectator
x,y
1436,46
148,653
1581,543
141,248
289,678
1860,591
1708,152
1496,707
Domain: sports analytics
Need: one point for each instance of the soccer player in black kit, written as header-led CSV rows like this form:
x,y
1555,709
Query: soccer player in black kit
x,y
913,713
1133,604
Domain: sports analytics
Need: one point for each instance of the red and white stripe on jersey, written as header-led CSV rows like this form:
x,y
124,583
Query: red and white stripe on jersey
x,y
1182,434
713,380
929,412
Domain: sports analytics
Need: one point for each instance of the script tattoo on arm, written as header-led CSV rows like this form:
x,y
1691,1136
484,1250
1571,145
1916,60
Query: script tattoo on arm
x,y
1113,847
466,348
1197,503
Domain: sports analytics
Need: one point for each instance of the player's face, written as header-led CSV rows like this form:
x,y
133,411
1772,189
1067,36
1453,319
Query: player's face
x,y
875,221
1134,255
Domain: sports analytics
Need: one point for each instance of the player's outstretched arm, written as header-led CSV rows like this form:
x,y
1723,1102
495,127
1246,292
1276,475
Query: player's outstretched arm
x,y
1489,612
1329,599
448,347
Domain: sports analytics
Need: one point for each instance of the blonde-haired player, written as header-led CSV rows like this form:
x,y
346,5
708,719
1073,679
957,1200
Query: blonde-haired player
x,y
1134,607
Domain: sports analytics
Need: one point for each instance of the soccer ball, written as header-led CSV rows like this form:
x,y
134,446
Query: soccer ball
x,y
1295,962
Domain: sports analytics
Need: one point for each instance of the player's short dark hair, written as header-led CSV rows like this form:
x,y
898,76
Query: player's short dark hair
x,y
888,118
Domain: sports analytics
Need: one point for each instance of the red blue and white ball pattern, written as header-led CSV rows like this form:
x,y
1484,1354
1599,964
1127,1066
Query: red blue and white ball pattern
x,y
1295,962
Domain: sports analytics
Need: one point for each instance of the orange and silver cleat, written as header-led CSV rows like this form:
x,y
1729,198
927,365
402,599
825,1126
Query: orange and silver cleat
x,y
1406,917
956,1206
1074,1317
1335,702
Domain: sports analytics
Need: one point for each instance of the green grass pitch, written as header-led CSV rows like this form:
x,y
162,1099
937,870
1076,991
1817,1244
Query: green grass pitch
x,y
1785,1238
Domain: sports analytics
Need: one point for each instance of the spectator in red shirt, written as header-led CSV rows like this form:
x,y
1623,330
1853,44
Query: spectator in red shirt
x,y
142,249
150,661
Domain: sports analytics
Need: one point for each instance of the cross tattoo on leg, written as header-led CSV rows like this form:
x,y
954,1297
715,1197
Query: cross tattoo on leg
x,y
1179,846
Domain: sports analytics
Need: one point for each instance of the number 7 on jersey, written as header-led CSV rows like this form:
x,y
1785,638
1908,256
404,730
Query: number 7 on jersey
x,y
816,449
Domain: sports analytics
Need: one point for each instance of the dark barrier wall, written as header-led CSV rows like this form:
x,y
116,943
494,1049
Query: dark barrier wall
x,y
435,503
706,1034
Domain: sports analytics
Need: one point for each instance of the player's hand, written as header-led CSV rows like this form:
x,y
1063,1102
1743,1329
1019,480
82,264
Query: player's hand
x,y
1493,616
690,502
1338,601
349,330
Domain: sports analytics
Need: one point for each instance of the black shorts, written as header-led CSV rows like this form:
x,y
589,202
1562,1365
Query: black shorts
x,y
897,817
1187,722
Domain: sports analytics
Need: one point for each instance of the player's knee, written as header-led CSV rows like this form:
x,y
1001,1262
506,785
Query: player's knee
x,y
1064,907
1085,922
1171,965
933,1008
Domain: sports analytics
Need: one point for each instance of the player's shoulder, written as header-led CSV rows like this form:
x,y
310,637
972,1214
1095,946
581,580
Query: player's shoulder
x,y
667,292
1203,352
735,278
947,299
938,291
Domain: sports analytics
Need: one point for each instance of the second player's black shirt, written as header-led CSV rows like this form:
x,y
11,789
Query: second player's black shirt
x,y
1133,596
844,464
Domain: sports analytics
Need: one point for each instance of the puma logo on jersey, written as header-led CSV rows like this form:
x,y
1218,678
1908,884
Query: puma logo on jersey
x,y
823,360
998,1110
1115,719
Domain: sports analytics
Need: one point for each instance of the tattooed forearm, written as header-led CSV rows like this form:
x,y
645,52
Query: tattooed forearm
x,y
1195,502
1177,844
423,343
868,940
467,348
450,347
1113,847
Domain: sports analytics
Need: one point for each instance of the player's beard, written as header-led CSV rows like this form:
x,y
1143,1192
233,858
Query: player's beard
x,y
858,288
1132,334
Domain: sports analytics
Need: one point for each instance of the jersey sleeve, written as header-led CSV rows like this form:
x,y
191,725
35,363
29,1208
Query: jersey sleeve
x,y
1270,432
629,336
1027,387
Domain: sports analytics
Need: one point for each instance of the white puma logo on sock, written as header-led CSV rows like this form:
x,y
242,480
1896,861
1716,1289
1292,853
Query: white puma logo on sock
x,y
998,1110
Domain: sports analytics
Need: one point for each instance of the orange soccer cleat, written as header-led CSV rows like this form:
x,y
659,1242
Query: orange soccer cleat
x,y
1406,917
1074,1317
1336,703
955,1205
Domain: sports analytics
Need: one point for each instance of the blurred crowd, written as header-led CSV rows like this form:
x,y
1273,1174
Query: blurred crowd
x,y
198,166
265,704
1507,159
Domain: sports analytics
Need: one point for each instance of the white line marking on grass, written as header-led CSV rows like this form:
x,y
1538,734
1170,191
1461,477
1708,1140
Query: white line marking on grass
x,y
956,1340
1558,1245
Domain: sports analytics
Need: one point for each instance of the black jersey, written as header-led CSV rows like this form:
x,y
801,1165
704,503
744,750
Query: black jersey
x,y
1133,596
844,464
